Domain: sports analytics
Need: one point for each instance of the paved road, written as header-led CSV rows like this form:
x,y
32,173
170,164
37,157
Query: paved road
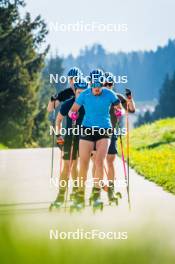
x,y
25,190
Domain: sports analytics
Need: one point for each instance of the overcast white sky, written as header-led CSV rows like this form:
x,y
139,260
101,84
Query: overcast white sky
x,y
150,23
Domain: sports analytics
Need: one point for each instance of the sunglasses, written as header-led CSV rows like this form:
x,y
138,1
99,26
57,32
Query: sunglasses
x,y
108,84
96,85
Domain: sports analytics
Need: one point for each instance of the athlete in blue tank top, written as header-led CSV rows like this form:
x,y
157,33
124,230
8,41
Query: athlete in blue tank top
x,y
97,107
97,102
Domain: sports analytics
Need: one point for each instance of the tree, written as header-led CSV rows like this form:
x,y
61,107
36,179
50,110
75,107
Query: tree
x,y
20,71
40,131
165,106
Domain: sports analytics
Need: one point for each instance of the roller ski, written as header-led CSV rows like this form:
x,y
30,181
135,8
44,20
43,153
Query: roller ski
x,y
78,202
59,202
95,200
112,196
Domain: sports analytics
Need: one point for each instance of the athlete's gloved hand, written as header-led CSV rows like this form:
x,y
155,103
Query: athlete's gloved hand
x,y
74,116
119,113
54,98
60,140
128,93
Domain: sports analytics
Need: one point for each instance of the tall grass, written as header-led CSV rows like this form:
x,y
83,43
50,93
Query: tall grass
x,y
152,152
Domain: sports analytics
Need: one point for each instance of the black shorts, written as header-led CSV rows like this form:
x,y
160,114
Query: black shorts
x,y
67,148
112,147
90,136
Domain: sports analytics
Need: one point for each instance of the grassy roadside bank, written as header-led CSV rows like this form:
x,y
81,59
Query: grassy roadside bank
x,y
3,147
19,245
152,152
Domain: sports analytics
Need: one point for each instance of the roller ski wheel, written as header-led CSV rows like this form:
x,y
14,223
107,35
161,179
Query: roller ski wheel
x,y
95,200
119,195
58,203
113,200
76,207
97,205
78,202
73,194
112,196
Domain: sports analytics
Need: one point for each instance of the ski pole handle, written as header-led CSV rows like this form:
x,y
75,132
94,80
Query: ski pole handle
x,y
118,113
73,116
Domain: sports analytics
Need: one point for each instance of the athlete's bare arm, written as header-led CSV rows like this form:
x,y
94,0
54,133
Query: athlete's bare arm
x,y
131,105
125,101
118,106
52,105
59,121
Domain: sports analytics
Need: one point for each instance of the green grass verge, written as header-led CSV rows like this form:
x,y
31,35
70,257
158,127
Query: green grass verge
x,y
3,146
152,152
19,247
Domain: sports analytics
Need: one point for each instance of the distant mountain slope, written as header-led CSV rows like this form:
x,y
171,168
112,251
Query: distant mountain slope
x,y
145,70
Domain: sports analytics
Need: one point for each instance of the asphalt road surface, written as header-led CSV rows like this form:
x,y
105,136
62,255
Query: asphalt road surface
x,y
26,193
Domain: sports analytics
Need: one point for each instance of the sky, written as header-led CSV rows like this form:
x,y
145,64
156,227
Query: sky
x,y
147,23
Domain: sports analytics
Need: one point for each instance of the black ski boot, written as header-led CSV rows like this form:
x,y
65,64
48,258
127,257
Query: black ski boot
x,y
95,199
73,194
112,196
59,202
78,202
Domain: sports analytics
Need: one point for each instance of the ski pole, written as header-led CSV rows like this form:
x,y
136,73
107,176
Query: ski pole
x,y
60,143
105,187
53,140
118,116
74,117
127,149
61,154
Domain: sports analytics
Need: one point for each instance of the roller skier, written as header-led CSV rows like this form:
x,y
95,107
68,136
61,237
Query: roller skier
x,y
129,105
96,101
70,143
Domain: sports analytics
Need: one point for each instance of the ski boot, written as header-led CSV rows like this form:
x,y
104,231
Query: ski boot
x,y
78,202
73,194
95,200
112,196
59,202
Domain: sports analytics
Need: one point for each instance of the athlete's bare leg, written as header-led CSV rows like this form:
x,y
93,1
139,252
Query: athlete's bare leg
x,y
85,149
102,146
110,159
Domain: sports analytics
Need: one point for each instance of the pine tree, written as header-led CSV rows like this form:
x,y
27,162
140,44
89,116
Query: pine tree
x,y
165,107
20,71
41,122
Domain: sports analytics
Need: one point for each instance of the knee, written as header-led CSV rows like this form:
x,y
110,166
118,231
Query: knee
x,y
84,163
74,169
66,167
99,162
74,165
110,161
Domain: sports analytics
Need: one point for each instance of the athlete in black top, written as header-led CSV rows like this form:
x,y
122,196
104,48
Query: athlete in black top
x,y
64,110
66,94
62,96
71,142
127,102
